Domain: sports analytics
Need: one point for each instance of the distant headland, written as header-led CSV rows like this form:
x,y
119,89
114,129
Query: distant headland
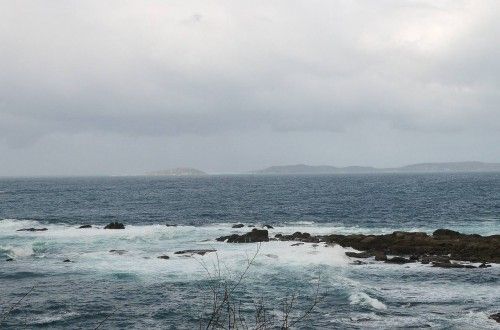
x,y
448,167
179,171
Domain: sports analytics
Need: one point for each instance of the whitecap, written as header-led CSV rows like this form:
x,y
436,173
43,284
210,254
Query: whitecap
x,y
361,298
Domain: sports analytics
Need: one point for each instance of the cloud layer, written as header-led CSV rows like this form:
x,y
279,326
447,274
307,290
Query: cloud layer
x,y
201,72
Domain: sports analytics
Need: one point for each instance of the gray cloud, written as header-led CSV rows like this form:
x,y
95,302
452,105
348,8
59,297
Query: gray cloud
x,y
289,69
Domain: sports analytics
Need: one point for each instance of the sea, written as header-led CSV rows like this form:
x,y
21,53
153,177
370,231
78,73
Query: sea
x,y
312,286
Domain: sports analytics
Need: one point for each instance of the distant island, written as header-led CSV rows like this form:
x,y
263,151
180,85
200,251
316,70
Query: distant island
x,y
448,167
179,171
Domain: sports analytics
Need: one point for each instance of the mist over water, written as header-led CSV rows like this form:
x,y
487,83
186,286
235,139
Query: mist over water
x,y
144,291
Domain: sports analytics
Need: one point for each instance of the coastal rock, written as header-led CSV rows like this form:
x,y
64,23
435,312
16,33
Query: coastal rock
x,y
32,229
446,233
380,256
85,226
495,317
398,260
115,225
451,265
119,252
67,260
170,225
426,259
484,265
200,252
256,235
9,259
359,254
163,257
240,225
268,227
444,242
358,262
298,236
297,244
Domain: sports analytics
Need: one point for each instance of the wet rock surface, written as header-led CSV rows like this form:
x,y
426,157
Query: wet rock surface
x,y
200,252
115,225
239,225
32,229
439,248
361,255
119,252
85,226
256,235
165,257
495,317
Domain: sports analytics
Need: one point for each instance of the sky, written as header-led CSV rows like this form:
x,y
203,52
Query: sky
x,y
126,87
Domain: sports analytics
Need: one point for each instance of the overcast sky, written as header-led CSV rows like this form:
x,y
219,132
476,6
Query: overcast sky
x,y
125,87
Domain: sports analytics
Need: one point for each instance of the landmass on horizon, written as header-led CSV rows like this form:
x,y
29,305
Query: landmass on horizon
x,y
447,167
179,171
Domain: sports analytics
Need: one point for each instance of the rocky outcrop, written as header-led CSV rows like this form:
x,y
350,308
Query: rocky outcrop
x,y
440,247
239,225
451,265
165,257
119,252
268,227
398,260
298,236
495,317
9,259
256,235
115,225
200,252
359,254
443,242
85,226
32,229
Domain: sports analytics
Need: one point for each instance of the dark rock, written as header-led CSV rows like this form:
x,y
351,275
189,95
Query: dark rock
x,y
495,317
268,227
164,257
191,252
358,262
119,252
67,260
297,244
115,225
85,226
359,254
9,259
32,229
398,260
171,225
451,265
251,226
256,235
446,232
380,256
240,225
484,265
278,236
425,259
473,248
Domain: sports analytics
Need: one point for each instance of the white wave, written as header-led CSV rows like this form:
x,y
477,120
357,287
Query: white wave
x,y
47,319
17,251
361,298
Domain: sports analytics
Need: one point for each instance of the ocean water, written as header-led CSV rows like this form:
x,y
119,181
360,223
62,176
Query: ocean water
x,y
135,289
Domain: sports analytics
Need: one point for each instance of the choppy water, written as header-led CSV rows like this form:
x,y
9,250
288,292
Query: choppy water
x,y
139,290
